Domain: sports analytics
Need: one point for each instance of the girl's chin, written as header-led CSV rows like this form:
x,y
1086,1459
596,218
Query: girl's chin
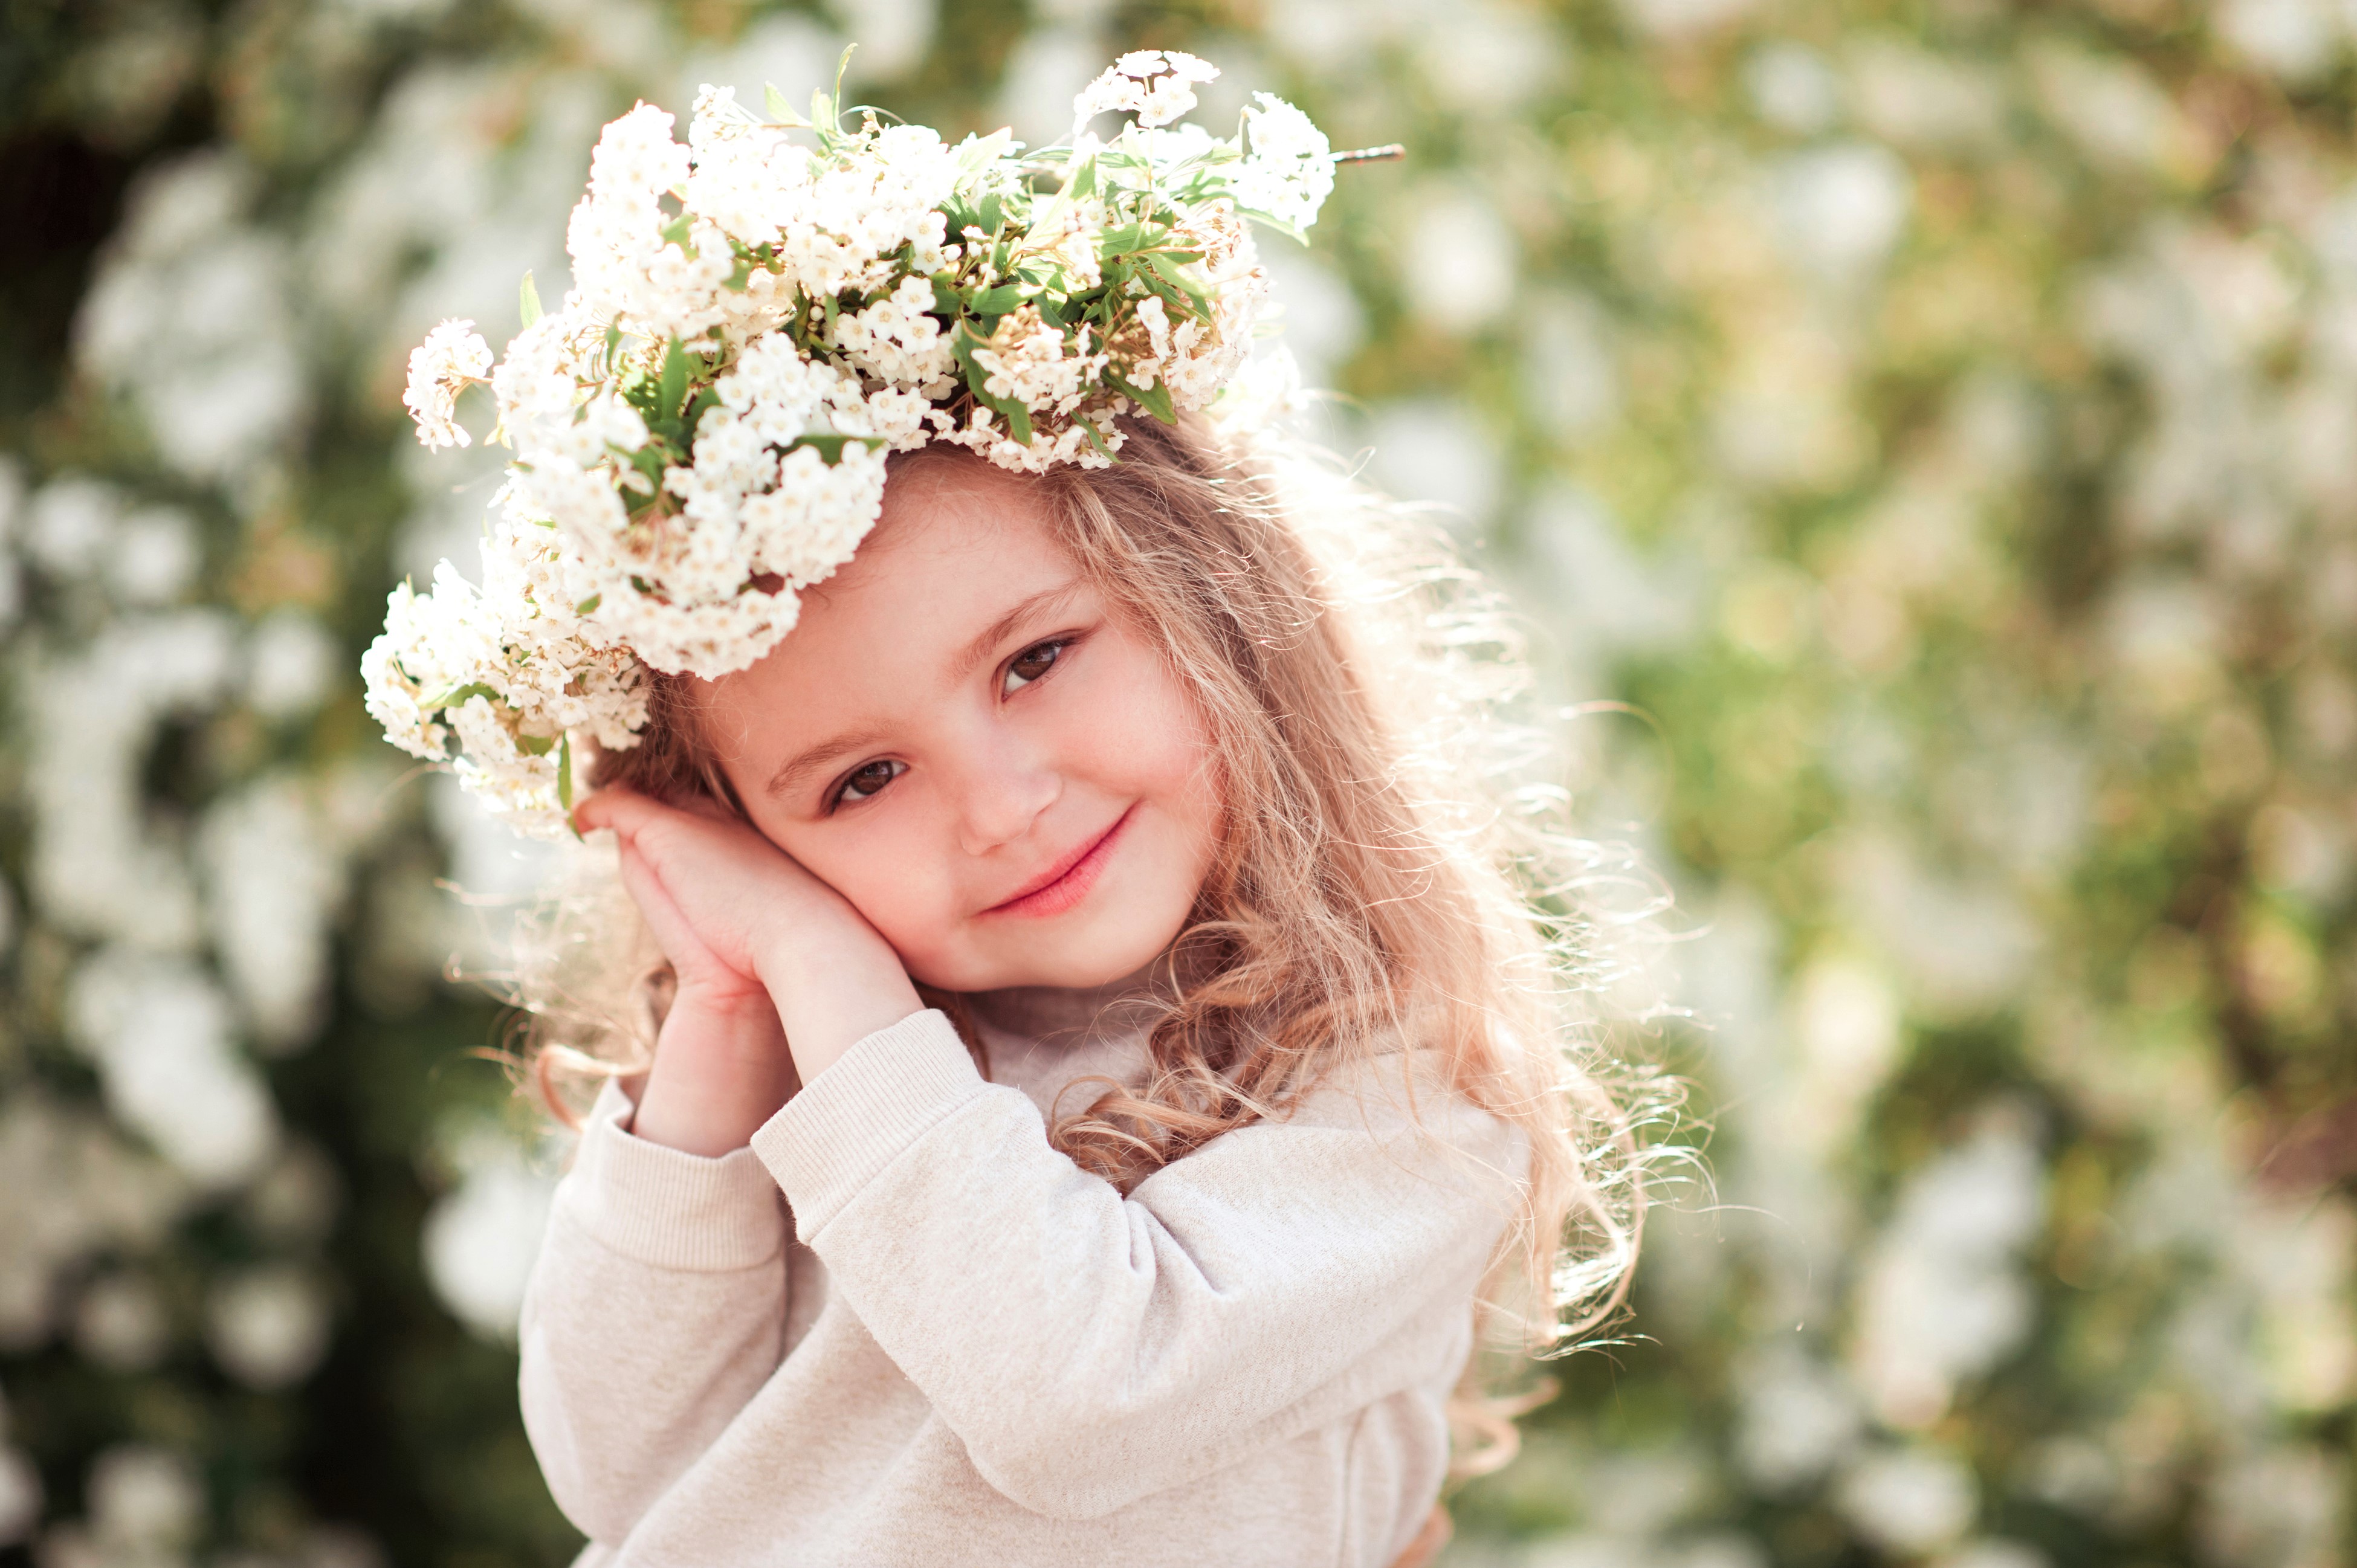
x,y
1068,961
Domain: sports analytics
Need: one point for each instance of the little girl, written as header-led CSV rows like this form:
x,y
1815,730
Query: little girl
x,y
1103,1055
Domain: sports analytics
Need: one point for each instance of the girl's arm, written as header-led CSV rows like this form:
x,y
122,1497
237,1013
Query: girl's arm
x,y
657,1308
1091,1348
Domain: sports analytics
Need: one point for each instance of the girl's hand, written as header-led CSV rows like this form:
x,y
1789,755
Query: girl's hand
x,y
758,942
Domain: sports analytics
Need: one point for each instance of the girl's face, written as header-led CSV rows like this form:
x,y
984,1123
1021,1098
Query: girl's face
x,y
962,738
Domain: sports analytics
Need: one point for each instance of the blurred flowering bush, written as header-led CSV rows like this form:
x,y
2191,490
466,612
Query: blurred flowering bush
x,y
1941,420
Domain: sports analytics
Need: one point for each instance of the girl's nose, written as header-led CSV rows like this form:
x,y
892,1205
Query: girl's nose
x,y
1001,793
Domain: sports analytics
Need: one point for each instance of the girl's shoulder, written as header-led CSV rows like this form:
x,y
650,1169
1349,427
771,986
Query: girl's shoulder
x,y
1405,1096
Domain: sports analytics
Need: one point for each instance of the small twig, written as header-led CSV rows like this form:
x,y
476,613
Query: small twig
x,y
1390,152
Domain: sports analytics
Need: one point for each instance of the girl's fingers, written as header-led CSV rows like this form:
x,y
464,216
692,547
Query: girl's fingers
x,y
673,932
623,810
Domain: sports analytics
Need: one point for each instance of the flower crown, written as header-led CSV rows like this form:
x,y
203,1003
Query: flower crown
x,y
756,321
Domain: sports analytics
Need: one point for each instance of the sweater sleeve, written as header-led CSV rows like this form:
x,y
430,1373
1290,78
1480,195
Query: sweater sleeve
x,y
1091,1348
654,1313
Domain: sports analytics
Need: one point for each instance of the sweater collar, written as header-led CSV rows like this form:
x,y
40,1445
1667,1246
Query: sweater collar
x,y
1123,1006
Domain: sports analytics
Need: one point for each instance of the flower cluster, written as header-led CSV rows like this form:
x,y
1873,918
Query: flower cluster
x,y
758,318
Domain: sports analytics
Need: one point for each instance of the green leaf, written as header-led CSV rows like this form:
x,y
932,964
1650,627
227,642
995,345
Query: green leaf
x,y
589,604
1122,241
1097,440
674,381
565,776
529,300
997,301
613,341
675,231
456,697
694,415
1155,402
535,745
963,343
947,300
780,108
842,64
1168,272
830,447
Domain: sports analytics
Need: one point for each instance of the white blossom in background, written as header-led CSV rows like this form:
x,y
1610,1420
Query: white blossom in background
x,y
20,1487
1620,600
1793,88
146,1506
1049,68
1963,941
1322,321
2298,40
70,1186
1846,1018
273,879
893,36
1943,1297
2110,105
20,1496
481,1237
1438,450
798,52
12,507
291,664
188,318
154,556
267,1325
160,1031
1994,1553
2284,1505
120,1322
98,866
1912,97
1799,1418
1840,209
1569,377
1458,261
1683,18
1909,1500
1492,58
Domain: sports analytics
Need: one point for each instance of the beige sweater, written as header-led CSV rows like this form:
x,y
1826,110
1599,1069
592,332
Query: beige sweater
x,y
900,1329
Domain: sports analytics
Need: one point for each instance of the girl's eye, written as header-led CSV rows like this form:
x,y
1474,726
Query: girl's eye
x,y
1030,664
868,778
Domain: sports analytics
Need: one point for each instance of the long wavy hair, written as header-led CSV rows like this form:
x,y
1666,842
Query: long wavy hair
x,y
1394,861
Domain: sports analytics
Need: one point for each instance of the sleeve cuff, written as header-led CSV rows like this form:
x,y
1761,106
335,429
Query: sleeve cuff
x,y
858,1116
666,1208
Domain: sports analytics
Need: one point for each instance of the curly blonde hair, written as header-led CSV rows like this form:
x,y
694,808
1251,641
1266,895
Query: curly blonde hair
x,y
1393,862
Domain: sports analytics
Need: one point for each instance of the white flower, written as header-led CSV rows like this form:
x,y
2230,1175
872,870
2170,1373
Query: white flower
x,y
1156,85
701,428
1027,362
267,1325
1291,170
453,358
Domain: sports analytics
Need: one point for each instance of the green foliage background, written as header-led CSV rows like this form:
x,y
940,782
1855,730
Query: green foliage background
x,y
1938,419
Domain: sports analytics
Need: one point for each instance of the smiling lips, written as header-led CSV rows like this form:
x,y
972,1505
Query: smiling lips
x,y
1068,883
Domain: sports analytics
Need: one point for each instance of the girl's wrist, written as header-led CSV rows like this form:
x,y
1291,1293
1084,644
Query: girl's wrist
x,y
720,1070
832,992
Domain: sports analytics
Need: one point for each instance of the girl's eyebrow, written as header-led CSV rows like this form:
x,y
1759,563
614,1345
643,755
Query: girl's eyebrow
x,y
827,751
997,631
819,757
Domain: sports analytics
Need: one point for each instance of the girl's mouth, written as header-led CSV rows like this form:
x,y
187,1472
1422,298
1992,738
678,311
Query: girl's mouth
x,y
1069,883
